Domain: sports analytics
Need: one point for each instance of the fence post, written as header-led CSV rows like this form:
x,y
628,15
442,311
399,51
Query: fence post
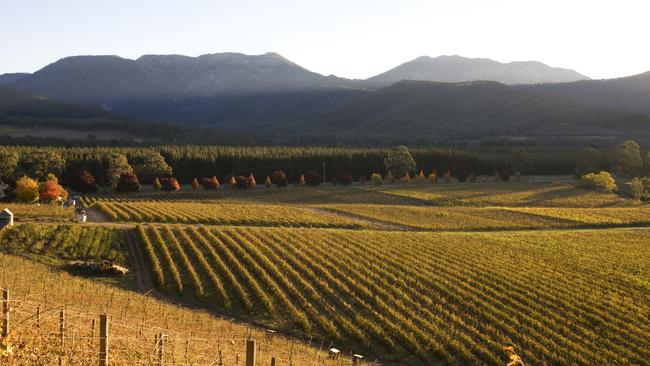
x,y
103,339
250,352
5,313
272,361
62,326
38,316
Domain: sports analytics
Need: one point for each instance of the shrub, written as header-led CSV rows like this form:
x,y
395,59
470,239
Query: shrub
x,y
127,182
345,179
312,178
376,179
602,181
279,178
170,184
26,190
83,182
406,179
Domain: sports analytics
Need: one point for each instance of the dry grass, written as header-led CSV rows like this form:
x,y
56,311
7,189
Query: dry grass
x,y
194,337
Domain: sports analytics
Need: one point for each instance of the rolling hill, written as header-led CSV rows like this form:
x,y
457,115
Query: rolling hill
x,y
630,93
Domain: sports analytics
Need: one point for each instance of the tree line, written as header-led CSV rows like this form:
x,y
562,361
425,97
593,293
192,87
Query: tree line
x,y
103,166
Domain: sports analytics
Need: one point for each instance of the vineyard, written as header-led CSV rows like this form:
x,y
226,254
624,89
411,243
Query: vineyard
x,y
134,321
561,297
497,218
44,212
519,194
220,213
67,242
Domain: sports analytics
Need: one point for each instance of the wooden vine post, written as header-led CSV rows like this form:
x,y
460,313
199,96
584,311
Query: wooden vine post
x,y
250,352
5,313
103,340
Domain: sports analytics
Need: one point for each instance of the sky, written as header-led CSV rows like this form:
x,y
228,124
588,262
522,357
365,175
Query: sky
x,y
347,38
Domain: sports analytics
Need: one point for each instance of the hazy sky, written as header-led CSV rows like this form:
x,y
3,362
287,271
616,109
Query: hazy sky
x,y
348,38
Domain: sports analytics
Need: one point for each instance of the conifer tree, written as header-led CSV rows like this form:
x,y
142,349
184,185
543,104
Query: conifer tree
x,y
302,180
268,182
195,184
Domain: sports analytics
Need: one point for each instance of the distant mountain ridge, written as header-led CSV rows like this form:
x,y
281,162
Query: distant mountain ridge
x,y
268,94
105,79
453,69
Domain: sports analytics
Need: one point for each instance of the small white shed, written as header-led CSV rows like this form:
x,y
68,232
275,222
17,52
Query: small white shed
x,y
6,218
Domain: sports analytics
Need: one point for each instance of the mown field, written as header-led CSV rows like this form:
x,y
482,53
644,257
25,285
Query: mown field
x,y
561,297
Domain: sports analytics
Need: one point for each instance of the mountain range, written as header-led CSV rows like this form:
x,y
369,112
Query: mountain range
x,y
436,99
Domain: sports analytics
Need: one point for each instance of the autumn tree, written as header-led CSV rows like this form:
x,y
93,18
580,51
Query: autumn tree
x,y
127,182
50,191
26,190
279,178
214,182
170,184
195,184
251,181
421,178
84,182
267,182
302,180
312,178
